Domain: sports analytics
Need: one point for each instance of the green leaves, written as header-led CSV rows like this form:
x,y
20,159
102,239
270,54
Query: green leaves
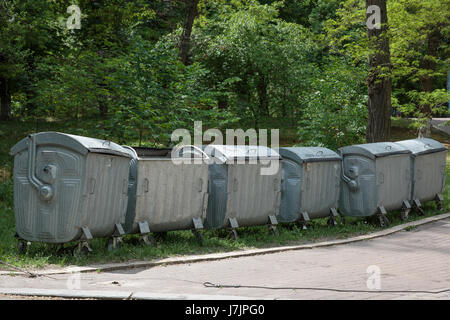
x,y
157,93
418,36
259,62
334,112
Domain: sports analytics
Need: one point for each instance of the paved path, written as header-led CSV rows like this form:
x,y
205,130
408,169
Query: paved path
x,y
438,123
418,259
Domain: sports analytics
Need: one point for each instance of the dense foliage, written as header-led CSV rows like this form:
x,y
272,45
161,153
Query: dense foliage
x,y
299,64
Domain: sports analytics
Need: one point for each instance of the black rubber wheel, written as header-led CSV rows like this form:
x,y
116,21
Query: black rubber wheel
x,y
274,231
199,236
384,221
439,206
300,224
160,236
419,211
331,222
149,241
404,215
110,244
83,251
233,234
22,247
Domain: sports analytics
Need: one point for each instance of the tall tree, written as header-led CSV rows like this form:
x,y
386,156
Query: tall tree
x,y
426,80
28,32
419,45
379,81
5,99
10,59
191,14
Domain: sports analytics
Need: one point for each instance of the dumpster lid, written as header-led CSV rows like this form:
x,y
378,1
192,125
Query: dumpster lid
x,y
422,146
148,153
374,150
229,153
309,154
82,145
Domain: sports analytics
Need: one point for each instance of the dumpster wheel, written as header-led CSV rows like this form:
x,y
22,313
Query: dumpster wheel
x,y
384,221
417,207
406,209
439,202
22,247
331,222
147,240
420,211
82,249
233,234
114,243
160,236
273,230
404,214
199,236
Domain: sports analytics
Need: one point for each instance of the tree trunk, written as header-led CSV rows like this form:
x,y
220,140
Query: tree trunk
x,y
379,81
191,13
262,95
426,81
102,103
5,99
103,108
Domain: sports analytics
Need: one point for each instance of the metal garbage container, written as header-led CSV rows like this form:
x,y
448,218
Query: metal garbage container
x,y
69,188
428,161
310,184
244,187
376,179
168,191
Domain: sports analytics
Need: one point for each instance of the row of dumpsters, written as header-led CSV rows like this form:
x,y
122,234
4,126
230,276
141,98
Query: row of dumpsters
x,y
71,188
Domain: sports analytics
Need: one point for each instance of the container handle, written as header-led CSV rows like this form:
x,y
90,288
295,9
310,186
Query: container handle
x,y
132,150
352,184
45,191
178,149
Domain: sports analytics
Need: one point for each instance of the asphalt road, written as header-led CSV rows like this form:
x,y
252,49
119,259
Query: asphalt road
x,y
418,259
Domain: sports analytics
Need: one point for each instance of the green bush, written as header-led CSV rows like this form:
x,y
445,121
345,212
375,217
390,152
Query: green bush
x,y
334,113
6,192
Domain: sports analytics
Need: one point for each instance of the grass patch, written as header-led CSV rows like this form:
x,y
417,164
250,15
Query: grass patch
x,y
177,243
